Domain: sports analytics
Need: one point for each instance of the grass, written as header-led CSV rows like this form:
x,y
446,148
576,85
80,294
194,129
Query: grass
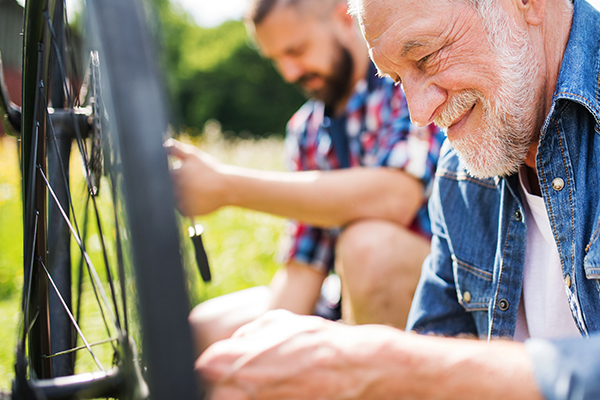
x,y
241,244
11,251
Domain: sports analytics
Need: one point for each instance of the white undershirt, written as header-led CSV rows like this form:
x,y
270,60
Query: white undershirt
x,y
544,309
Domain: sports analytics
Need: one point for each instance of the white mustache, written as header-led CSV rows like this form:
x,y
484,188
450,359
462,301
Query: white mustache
x,y
457,106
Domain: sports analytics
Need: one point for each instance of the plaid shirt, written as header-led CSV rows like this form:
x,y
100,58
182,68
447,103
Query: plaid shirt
x,y
379,134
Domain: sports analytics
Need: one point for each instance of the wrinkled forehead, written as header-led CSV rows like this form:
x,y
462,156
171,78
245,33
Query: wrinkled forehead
x,y
379,17
389,25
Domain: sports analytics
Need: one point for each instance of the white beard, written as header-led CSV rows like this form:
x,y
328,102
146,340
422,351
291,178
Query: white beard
x,y
499,146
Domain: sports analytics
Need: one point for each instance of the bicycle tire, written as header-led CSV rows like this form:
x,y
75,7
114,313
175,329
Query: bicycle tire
x,y
117,32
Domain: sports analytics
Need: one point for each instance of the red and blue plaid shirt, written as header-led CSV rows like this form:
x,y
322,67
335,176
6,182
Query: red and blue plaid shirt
x,y
379,133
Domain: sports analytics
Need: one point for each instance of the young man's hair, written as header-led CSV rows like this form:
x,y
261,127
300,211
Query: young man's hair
x,y
258,10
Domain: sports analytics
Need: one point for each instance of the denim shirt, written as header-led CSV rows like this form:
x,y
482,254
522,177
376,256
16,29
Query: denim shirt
x,y
471,283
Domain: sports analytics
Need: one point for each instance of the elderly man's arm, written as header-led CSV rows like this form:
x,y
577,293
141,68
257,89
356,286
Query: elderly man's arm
x,y
567,369
291,357
320,198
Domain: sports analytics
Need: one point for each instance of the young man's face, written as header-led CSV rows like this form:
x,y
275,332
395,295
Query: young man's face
x,y
307,53
481,88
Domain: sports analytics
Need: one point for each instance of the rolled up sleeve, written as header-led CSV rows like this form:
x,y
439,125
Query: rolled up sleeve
x,y
567,369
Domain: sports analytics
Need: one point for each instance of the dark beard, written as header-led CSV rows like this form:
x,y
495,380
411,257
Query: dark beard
x,y
338,84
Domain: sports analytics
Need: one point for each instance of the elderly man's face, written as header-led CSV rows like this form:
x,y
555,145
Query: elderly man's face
x,y
479,87
306,51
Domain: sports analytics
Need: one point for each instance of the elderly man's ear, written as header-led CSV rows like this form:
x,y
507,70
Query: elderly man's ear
x,y
532,10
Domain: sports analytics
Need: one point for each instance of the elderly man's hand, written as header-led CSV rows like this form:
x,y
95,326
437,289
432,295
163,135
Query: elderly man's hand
x,y
285,356
269,358
199,179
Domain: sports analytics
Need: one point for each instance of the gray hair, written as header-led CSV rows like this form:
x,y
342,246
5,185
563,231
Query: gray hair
x,y
356,8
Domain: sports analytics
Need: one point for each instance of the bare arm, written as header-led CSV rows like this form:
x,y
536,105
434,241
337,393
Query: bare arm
x,y
320,198
292,357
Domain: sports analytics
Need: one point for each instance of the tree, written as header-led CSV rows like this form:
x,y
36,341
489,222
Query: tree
x,y
216,74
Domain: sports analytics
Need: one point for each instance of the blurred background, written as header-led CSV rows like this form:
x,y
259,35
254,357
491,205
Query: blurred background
x,y
213,72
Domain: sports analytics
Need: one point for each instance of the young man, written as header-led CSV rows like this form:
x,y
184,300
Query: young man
x,y
516,249
360,182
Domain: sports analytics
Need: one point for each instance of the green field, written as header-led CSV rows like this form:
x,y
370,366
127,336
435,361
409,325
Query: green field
x,y
241,244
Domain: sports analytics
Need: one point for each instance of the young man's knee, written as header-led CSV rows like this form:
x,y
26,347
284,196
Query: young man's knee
x,y
218,318
372,253
369,242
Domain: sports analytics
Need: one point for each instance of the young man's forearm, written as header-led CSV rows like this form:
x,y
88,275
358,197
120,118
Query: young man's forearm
x,y
326,198
321,198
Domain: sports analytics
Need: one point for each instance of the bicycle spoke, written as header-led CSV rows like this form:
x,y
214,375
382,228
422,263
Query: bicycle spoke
x,y
80,142
59,60
119,246
27,291
80,267
29,204
80,276
105,255
71,316
94,279
79,243
35,317
74,349
94,62
101,235
62,168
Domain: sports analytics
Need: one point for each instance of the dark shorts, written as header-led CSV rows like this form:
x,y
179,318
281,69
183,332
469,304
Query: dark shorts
x,y
329,305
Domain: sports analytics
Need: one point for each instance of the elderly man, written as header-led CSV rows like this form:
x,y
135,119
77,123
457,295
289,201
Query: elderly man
x,y
359,164
516,249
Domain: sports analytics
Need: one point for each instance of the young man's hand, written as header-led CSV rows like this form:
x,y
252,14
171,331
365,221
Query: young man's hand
x,y
199,179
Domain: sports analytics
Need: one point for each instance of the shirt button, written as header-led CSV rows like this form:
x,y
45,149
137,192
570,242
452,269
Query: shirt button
x,y
568,281
503,305
467,296
558,184
518,215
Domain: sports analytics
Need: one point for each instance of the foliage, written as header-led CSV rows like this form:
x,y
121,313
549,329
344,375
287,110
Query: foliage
x,y
216,74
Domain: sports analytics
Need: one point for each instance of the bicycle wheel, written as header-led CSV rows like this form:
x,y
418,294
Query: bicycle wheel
x,y
114,115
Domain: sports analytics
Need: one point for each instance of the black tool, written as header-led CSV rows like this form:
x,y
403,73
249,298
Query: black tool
x,y
195,232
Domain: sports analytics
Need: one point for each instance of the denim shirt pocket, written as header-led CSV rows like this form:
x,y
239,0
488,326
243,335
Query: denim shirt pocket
x,y
591,261
473,290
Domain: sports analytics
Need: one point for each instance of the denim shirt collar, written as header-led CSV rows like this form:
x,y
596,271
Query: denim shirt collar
x,y
579,79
